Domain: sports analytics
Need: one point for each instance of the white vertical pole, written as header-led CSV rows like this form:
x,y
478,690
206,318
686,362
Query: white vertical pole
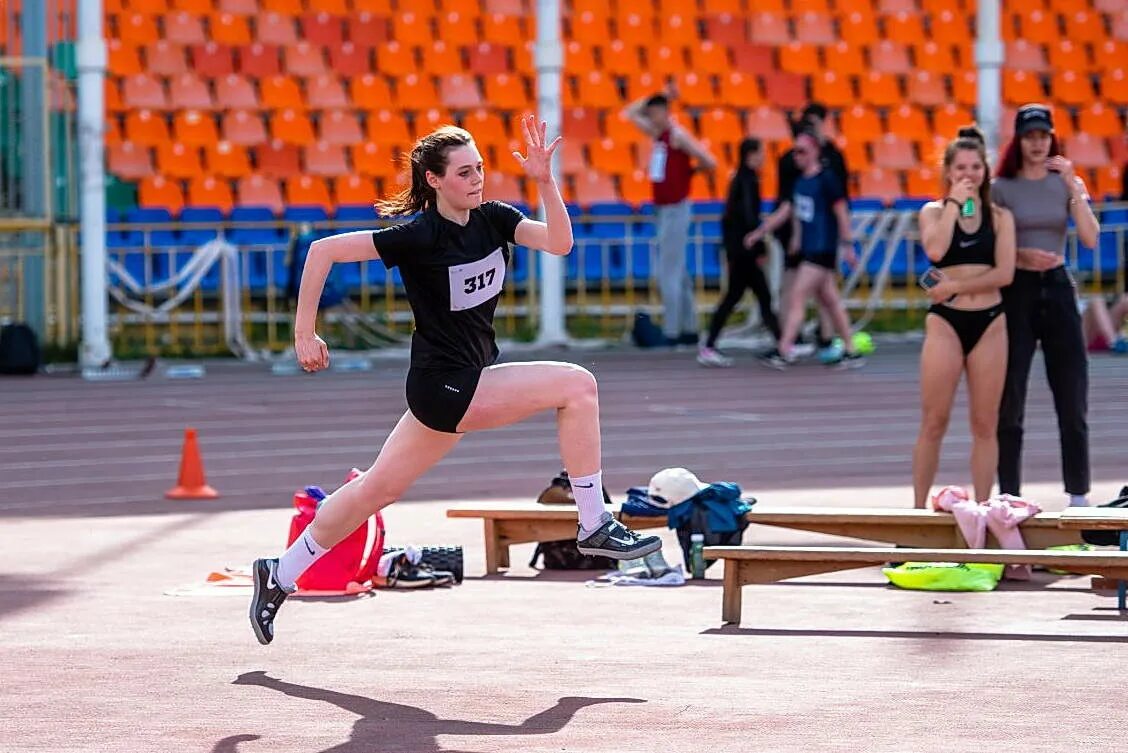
x,y
549,57
91,58
989,61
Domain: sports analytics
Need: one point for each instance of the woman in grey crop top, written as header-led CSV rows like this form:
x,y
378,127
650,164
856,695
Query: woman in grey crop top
x,y
1037,184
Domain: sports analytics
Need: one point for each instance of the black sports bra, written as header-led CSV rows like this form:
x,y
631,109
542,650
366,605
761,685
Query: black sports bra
x,y
971,248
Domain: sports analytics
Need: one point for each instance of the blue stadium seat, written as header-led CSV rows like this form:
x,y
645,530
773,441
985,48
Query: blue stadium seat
x,y
259,244
213,216
153,216
908,204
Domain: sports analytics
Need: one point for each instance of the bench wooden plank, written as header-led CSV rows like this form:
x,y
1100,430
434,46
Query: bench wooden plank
x,y
1095,518
747,565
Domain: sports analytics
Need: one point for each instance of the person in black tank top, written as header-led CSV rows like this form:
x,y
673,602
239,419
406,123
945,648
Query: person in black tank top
x,y
973,256
452,257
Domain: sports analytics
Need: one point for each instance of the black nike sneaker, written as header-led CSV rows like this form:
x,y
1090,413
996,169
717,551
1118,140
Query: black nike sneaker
x,y
268,597
615,540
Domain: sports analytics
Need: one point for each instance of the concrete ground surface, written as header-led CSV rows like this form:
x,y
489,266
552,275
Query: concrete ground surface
x,y
96,657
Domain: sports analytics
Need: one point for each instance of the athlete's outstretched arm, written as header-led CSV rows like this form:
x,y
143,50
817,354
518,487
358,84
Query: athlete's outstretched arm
x,y
555,234
323,253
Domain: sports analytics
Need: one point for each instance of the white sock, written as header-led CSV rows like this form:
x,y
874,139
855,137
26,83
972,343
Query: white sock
x,y
1078,500
588,492
297,559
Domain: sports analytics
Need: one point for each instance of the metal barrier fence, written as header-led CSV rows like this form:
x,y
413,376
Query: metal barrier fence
x,y
171,293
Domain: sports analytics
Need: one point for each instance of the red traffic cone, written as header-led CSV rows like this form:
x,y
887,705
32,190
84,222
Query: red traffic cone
x,y
191,483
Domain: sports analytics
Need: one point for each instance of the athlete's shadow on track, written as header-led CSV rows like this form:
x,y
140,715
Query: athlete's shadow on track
x,y
385,727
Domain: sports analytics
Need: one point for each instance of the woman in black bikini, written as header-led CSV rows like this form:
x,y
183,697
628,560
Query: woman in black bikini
x,y
973,252
453,257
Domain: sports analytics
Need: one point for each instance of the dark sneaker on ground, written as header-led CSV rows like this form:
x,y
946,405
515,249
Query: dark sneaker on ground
x,y
615,540
773,359
268,596
849,361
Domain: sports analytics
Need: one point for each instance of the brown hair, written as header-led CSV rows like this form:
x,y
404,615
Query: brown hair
x,y
429,155
971,139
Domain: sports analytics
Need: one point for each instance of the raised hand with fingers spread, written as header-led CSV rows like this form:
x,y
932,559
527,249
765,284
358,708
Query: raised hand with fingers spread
x,y
537,160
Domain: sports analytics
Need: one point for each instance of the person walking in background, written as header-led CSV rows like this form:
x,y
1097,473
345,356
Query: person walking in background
x,y
1038,185
813,119
1102,324
744,255
671,167
973,257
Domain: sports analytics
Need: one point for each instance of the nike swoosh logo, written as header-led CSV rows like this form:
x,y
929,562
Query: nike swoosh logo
x,y
308,547
584,486
270,584
624,542
967,244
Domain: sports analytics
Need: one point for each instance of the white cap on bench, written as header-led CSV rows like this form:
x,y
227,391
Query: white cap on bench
x,y
671,486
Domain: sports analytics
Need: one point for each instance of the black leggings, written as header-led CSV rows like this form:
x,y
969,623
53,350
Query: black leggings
x,y
1042,307
744,273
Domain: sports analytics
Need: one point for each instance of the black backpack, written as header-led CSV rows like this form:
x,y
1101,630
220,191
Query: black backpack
x,y
699,523
563,554
1107,538
19,349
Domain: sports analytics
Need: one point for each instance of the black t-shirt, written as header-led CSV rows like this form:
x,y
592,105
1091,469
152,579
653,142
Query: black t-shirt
x,y
788,173
453,275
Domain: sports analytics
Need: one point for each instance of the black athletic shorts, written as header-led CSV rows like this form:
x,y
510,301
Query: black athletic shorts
x,y
824,260
439,399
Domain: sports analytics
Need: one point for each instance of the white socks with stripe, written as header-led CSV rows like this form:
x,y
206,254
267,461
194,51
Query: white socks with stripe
x,y
588,493
297,559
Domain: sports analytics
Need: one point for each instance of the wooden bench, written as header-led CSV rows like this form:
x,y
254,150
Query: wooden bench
x,y
524,522
745,565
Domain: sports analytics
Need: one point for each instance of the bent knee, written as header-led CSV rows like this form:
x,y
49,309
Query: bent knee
x,y
933,426
984,429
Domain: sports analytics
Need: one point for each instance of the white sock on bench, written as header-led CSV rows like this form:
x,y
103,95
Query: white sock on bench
x,y
588,492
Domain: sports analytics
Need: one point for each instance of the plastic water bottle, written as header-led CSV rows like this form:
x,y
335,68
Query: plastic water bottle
x,y
968,208
697,555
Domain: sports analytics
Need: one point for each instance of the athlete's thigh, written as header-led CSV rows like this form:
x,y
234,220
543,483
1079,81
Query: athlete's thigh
x,y
511,392
987,372
408,452
941,364
808,278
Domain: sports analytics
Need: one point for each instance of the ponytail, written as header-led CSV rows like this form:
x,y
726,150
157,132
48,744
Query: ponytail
x,y
429,155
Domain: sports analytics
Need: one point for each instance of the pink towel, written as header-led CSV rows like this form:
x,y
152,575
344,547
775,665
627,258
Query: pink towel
x,y
1001,515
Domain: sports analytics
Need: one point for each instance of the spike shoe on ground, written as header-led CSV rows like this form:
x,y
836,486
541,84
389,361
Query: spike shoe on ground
x,y
268,597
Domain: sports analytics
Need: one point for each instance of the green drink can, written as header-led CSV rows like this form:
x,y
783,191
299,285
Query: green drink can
x,y
968,208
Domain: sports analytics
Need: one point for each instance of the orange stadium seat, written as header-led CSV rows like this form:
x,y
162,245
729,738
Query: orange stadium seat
x,y
137,29
785,90
442,59
350,60
1085,27
188,91
229,29
510,7
1020,87
635,188
149,7
634,28
1023,55
259,191
323,29
259,60
907,121
411,29
880,184
354,190
890,57
457,29
383,7
370,92
303,59
856,154
1072,88
860,123
859,28
321,158
510,30
754,58
939,58
501,187
643,84
111,92
678,30
740,90
129,161
727,29
890,7
281,93
396,59
143,91
923,182
486,58
210,60
665,61
949,118
769,29
592,187
617,58
593,89
1098,120
580,124
486,126
904,26
1066,55
333,7
735,6
508,92
112,131
572,158
243,127
893,152
387,128
1110,55
207,191
1039,26
845,59
326,92
1086,151
194,128
796,57
695,90
184,28
927,89
158,191
123,59
767,123
368,30
721,125
949,27
1114,86
832,89
288,7
1109,182
226,159
607,156
276,159
618,127
372,159
179,160
708,57
459,92
235,92
237,7
965,86
815,28
292,127
339,127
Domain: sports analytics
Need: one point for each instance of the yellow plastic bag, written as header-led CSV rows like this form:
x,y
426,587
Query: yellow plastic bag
x,y
945,576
